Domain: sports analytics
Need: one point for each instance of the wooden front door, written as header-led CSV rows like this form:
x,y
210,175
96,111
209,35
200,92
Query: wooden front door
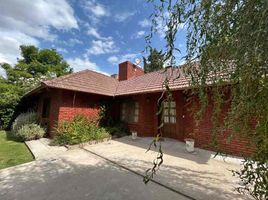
x,y
169,119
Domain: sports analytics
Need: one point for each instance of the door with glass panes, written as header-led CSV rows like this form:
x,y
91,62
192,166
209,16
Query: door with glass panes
x,y
169,119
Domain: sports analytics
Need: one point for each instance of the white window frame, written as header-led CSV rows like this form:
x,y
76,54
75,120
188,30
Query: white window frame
x,y
169,112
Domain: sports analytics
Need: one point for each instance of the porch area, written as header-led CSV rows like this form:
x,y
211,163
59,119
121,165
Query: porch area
x,y
198,175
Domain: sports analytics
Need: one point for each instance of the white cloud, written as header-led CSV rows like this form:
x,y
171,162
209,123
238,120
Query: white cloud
x,y
95,8
115,60
9,45
160,28
74,41
122,16
139,34
62,50
24,22
104,46
94,32
34,18
145,23
79,64
70,42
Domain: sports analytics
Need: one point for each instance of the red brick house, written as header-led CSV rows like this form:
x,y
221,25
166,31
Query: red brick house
x,y
134,97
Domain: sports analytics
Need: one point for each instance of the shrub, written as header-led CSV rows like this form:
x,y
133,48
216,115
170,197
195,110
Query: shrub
x,y
78,130
24,119
118,130
30,132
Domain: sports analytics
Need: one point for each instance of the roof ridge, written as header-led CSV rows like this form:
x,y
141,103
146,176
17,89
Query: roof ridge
x,y
146,74
64,77
101,74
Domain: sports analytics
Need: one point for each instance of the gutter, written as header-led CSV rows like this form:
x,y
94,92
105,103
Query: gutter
x,y
34,90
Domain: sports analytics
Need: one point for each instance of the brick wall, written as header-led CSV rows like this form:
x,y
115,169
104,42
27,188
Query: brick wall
x,y
55,100
202,132
67,104
128,70
74,103
148,123
147,120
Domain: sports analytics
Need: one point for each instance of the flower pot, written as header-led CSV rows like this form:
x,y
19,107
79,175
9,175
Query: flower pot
x,y
189,145
134,135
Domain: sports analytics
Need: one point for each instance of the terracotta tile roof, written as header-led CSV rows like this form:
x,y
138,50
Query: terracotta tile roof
x,y
85,81
97,83
152,82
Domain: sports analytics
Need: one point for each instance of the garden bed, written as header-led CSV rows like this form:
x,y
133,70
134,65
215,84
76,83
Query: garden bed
x,y
75,146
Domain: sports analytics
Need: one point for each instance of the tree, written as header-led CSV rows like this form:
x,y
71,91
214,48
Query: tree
x,y
227,37
154,62
34,66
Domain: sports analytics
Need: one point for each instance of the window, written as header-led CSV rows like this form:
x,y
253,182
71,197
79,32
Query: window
x,y
169,112
46,106
130,111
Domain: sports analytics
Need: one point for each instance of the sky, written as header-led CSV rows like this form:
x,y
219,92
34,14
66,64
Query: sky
x,y
90,34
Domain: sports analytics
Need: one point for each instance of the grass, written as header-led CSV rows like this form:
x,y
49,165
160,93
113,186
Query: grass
x,y
12,151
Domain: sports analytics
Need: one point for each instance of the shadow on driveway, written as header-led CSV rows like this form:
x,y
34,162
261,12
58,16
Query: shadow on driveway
x,y
195,175
76,175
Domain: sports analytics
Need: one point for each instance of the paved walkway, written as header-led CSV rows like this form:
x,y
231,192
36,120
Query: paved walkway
x,y
75,174
197,175
59,173
42,150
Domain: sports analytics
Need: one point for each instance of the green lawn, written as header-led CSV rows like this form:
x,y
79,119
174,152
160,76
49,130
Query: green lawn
x,y
12,152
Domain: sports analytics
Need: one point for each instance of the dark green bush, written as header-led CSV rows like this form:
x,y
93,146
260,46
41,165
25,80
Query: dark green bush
x,y
78,130
118,130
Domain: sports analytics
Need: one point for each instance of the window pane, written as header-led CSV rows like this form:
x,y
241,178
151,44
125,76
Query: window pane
x,y
166,119
172,104
165,111
172,120
130,111
172,112
166,104
169,112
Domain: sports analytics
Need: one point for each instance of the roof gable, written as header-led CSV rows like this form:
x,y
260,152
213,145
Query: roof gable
x,y
85,81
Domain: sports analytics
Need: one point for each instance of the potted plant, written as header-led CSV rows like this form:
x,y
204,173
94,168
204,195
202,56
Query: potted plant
x,y
189,143
134,135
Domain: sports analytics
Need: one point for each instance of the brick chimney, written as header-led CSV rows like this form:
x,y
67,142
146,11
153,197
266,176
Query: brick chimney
x,y
128,70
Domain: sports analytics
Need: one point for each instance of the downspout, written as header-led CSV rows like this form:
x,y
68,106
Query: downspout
x,y
74,96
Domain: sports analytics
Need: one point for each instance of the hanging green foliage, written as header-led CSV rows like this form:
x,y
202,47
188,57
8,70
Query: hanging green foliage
x,y
227,51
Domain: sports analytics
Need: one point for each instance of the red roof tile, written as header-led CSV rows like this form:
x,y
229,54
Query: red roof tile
x,y
152,82
85,81
94,82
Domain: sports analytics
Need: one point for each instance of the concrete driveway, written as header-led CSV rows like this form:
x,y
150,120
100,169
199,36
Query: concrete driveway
x,y
80,174
76,175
